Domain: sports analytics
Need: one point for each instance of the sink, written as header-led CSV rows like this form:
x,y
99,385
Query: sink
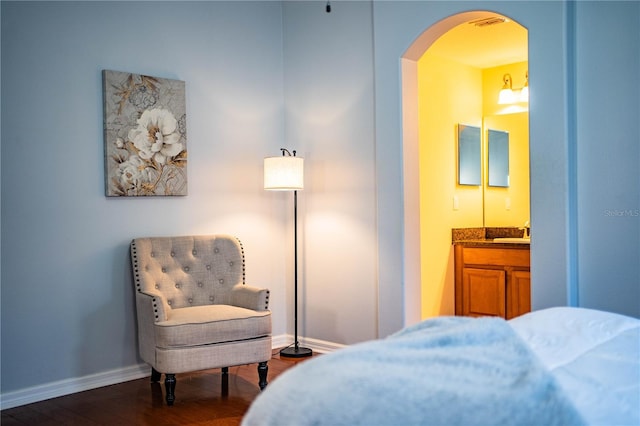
x,y
513,240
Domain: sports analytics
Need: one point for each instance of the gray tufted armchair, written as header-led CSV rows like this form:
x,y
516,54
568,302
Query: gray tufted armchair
x,y
195,311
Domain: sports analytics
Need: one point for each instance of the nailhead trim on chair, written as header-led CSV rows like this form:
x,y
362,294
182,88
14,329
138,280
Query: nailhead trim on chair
x,y
134,252
155,307
243,266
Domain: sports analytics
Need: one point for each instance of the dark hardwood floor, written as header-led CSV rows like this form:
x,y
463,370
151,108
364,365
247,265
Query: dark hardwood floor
x,y
200,400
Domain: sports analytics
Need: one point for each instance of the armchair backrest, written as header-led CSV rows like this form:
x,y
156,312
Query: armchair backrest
x,y
189,270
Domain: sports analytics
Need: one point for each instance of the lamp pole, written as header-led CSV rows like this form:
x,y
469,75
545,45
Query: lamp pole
x,y
295,268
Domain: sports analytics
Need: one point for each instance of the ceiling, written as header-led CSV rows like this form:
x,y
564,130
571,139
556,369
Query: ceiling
x,y
484,43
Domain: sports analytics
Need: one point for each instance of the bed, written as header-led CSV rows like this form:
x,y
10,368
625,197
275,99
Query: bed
x,y
558,366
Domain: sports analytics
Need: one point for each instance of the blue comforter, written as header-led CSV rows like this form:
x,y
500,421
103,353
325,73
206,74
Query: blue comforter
x,y
443,371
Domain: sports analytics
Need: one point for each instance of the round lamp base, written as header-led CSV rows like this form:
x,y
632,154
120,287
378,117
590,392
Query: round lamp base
x,y
296,352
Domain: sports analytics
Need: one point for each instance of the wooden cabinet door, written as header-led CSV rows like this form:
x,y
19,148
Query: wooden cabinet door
x,y
484,292
520,294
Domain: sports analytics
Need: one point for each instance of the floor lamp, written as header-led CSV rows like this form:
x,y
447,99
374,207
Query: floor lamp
x,y
286,173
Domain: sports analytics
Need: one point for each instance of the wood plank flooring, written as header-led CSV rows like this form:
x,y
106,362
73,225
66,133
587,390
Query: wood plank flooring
x,y
201,399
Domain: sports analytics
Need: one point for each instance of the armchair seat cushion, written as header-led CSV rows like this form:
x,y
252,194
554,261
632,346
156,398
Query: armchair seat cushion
x,y
191,326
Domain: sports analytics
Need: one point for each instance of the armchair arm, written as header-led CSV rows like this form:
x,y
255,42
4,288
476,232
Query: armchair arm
x,y
152,305
249,297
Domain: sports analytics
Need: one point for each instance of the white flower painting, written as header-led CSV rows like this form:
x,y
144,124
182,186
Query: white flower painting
x,y
145,135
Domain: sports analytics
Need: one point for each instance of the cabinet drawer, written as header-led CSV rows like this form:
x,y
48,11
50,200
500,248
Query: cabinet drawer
x,y
495,256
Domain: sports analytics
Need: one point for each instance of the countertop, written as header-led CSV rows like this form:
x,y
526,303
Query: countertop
x,y
483,237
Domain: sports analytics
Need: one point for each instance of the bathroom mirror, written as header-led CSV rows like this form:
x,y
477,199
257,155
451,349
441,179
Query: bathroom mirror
x,y
469,155
498,165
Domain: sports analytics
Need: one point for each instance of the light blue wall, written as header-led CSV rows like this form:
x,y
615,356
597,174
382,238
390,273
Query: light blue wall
x,y
67,296
330,118
607,44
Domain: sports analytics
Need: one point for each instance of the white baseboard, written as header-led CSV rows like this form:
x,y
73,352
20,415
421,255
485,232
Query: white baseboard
x,y
69,386
320,346
79,384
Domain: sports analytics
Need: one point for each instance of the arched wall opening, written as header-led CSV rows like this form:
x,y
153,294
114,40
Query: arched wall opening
x,y
413,267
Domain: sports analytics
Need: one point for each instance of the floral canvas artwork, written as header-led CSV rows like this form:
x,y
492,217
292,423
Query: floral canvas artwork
x,y
145,135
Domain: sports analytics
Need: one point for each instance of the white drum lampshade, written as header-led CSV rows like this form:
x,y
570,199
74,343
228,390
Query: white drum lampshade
x,y
284,173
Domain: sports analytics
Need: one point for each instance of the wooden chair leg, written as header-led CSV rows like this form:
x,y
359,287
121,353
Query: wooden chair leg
x,y
262,374
155,376
225,382
170,387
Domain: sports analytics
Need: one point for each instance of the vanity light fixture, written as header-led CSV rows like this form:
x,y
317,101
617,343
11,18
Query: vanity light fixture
x,y
506,95
510,96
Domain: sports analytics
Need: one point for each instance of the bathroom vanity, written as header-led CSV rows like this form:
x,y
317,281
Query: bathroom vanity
x,y
492,278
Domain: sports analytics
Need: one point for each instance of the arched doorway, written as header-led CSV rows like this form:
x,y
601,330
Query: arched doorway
x,y
414,230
